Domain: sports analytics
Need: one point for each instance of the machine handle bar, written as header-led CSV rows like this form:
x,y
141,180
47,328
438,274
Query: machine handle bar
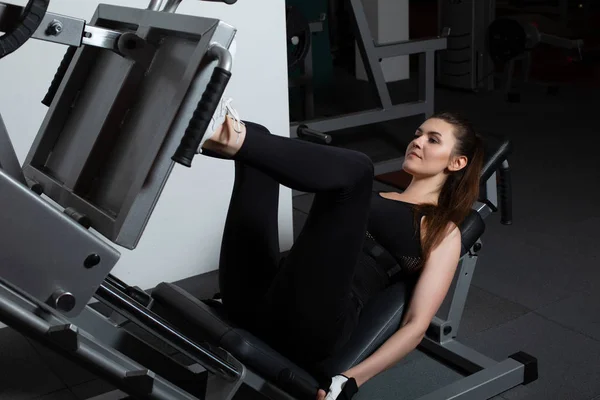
x,y
306,133
505,193
209,102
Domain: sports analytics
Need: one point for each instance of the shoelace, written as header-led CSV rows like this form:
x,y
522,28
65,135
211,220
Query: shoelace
x,y
237,126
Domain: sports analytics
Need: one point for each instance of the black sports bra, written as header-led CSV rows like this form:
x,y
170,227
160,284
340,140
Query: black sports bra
x,y
392,225
392,247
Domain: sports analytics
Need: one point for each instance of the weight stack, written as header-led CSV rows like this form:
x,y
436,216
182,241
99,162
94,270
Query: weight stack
x,y
466,63
321,50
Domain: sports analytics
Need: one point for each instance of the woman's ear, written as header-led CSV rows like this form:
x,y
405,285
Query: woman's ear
x,y
457,163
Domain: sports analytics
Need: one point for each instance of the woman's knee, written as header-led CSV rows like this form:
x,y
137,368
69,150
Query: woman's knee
x,y
365,167
359,172
257,127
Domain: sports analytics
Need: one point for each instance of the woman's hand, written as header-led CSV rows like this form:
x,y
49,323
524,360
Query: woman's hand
x,y
341,388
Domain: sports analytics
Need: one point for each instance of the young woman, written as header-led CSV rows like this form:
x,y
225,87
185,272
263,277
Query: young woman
x,y
306,306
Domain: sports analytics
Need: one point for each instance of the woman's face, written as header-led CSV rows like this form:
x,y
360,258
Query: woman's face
x,y
431,151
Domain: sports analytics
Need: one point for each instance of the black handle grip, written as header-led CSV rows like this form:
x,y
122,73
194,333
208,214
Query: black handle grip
x,y
58,77
505,194
312,135
204,111
29,21
296,386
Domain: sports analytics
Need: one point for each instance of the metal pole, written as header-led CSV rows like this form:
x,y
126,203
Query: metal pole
x,y
171,6
121,303
156,5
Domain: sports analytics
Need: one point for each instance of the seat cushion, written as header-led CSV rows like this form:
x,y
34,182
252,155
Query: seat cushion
x,y
380,318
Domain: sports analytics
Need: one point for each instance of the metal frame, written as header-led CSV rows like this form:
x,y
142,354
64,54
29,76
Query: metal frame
x,y
68,267
74,265
446,327
63,29
485,377
371,54
466,63
46,326
139,137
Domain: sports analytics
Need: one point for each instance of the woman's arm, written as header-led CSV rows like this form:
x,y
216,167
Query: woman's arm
x,y
430,291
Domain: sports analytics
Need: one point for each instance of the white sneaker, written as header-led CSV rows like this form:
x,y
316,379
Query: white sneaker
x,y
223,109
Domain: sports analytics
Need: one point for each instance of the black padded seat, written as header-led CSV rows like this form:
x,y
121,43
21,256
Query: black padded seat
x,y
206,320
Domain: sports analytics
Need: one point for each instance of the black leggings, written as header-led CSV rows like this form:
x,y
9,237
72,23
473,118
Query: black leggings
x,y
303,304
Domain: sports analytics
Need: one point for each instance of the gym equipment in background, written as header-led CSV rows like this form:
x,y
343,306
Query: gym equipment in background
x,y
300,55
465,64
298,36
386,111
480,42
560,10
511,39
81,174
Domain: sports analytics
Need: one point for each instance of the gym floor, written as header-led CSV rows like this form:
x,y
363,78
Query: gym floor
x,y
534,288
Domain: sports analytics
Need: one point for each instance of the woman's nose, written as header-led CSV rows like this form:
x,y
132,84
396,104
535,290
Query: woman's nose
x,y
418,142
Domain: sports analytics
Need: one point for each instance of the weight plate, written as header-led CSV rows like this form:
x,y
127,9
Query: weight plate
x,y
298,36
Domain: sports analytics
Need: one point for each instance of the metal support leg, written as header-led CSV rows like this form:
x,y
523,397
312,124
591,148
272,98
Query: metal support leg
x,y
485,378
444,329
366,45
427,81
372,55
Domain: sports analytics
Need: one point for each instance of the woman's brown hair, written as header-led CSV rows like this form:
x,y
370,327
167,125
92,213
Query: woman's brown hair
x,y
460,190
